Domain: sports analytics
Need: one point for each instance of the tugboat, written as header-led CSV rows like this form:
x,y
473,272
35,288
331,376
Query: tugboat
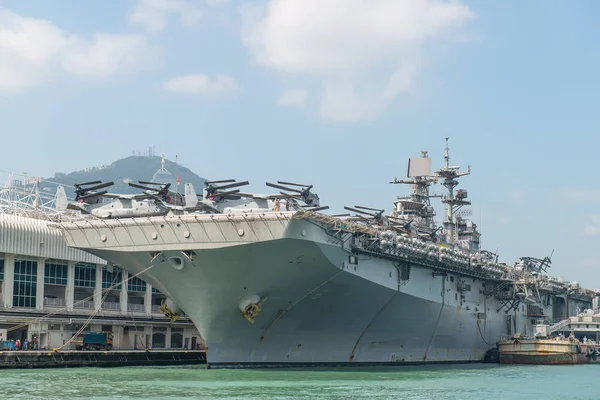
x,y
542,349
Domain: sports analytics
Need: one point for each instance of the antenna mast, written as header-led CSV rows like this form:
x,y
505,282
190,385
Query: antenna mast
x,y
176,175
453,201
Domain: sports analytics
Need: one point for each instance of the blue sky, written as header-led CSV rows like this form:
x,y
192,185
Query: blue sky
x,y
337,93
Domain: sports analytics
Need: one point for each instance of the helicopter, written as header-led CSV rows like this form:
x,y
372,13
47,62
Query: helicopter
x,y
374,217
162,191
220,196
304,194
91,201
294,196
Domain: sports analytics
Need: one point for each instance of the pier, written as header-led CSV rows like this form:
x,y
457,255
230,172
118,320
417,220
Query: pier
x,y
113,358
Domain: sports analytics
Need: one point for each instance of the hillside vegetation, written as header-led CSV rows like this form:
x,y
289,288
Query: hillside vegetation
x,y
130,169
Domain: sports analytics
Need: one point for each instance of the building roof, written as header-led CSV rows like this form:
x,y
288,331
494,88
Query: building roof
x,y
33,237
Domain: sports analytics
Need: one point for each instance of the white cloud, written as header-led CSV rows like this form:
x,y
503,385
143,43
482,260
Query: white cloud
x,y
107,54
293,98
33,49
592,228
365,53
152,15
200,84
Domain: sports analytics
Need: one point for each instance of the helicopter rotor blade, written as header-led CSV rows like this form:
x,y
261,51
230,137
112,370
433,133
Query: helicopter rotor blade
x,y
357,211
219,181
135,185
284,195
369,208
90,195
150,183
86,183
294,184
226,193
231,185
399,226
320,208
402,221
340,215
100,186
273,185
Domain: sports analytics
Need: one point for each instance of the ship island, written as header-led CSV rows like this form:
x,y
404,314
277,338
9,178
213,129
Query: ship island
x,y
272,280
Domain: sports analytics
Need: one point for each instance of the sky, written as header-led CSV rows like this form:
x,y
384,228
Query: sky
x,y
334,93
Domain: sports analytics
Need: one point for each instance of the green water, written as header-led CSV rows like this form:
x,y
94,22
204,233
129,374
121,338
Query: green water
x,y
448,382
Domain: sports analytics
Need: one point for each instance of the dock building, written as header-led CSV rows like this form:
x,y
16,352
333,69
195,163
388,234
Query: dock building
x,y
48,291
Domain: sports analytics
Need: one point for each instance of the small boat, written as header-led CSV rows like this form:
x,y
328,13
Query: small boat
x,y
522,350
542,349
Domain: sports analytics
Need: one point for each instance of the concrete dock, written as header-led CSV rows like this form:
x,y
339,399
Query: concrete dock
x,y
113,358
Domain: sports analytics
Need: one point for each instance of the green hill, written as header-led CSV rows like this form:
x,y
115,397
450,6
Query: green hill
x,y
130,169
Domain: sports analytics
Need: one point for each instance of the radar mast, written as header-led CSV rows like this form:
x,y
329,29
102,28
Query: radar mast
x,y
417,206
454,201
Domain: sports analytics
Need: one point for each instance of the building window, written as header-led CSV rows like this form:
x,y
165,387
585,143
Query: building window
x,y
176,338
85,274
1,269
25,283
112,278
155,290
55,274
136,284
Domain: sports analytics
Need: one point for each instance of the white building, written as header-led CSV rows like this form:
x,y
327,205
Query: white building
x,y
52,289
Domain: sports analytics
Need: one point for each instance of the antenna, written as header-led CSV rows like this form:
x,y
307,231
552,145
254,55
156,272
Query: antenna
x,y
447,155
480,226
454,201
176,175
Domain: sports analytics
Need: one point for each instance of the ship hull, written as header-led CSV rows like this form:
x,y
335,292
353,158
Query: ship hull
x,y
317,307
314,312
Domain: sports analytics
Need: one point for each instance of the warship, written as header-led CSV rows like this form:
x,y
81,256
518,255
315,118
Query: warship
x,y
271,280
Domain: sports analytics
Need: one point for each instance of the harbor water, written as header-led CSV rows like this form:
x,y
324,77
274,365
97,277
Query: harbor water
x,y
464,382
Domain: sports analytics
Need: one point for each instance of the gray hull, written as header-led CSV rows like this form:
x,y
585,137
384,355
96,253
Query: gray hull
x,y
317,312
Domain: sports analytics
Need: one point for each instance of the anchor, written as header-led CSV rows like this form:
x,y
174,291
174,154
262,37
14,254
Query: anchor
x,y
173,316
250,307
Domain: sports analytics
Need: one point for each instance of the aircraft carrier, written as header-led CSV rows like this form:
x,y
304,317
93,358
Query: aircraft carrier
x,y
271,280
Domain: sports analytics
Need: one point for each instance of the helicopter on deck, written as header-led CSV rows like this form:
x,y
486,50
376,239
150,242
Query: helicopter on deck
x,y
91,200
219,196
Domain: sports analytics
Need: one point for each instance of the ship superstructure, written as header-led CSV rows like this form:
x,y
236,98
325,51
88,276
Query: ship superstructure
x,y
270,280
